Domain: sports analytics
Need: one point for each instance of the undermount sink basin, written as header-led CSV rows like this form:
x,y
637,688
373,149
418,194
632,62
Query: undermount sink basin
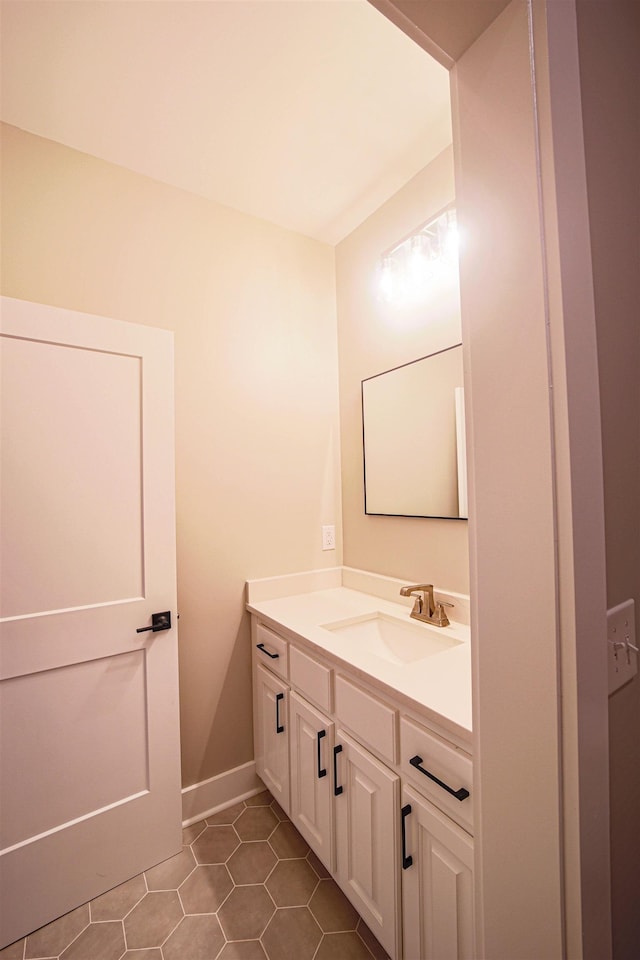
x,y
391,639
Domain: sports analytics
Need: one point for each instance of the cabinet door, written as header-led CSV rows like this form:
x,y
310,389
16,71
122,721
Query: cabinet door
x,y
311,746
366,812
437,887
271,734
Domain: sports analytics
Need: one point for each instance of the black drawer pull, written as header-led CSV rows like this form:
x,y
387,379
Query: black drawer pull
x,y
336,789
279,697
261,646
460,794
321,772
407,861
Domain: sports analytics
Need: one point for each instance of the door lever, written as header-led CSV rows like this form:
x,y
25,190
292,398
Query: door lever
x,y
159,621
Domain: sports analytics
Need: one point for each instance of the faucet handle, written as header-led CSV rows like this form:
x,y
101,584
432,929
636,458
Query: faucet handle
x,y
439,614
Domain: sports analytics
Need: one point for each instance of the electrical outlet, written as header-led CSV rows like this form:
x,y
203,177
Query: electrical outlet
x,y
328,537
622,645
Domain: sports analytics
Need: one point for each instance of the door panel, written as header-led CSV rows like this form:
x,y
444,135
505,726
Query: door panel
x,y
71,436
272,734
311,743
44,708
437,887
88,706
366,815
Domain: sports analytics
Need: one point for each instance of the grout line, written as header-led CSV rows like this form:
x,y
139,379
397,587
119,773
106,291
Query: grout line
x,y
184,912
124,929
275,905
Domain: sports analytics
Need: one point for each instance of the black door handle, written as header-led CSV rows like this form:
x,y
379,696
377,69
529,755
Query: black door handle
x,y
407,861
336,789
460,794
279,697
261,646
321,772
159,621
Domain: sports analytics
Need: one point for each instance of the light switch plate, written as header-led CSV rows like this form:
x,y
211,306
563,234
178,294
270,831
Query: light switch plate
x,y
621,641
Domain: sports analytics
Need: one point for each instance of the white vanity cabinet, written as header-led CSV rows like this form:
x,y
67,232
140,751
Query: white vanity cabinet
x,y
270,711
437,855
381,798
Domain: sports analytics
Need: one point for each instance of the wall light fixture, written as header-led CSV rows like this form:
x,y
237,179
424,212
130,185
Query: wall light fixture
x,y
408,272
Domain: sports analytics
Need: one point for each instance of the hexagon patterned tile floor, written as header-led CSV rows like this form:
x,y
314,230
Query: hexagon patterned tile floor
x,y
246,886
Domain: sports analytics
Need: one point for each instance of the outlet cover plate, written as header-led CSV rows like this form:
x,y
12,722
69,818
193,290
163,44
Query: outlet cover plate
x,y
328,537
621,638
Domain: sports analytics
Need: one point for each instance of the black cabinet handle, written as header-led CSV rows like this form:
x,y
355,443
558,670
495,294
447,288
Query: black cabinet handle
x,y
261,646
336,789
407,861
460,794
279,697
321,772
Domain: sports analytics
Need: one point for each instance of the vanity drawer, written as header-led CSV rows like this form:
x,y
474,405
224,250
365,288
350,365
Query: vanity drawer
x,y
374,723
271,650
451,766
311,678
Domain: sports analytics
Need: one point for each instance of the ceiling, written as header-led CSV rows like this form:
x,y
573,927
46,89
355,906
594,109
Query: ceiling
x,y
445,29
307,113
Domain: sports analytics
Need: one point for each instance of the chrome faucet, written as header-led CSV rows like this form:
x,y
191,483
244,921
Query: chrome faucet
x,y
426,607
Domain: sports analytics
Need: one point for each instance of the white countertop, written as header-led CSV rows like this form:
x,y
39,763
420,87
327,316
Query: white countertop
x,y
439,684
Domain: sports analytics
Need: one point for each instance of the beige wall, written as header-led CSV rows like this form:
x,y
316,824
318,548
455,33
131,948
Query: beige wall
x,y
253,310
374,336
609,46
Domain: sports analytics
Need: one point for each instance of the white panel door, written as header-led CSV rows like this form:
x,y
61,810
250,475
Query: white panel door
x,y
271,733
366,823
311,747
437,884
89,723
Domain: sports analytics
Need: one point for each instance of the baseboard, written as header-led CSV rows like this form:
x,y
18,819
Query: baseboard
x,y
208,797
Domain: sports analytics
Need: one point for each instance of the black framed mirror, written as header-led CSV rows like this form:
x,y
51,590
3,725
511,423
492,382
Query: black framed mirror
x,y
414,439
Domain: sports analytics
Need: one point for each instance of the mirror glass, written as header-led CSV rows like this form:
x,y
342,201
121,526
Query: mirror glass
x,y
414,439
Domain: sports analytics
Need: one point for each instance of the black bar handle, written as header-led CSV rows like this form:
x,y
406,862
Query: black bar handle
x,y
336,789
460,794
261,646
159,621
279,697
407,861
321,772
